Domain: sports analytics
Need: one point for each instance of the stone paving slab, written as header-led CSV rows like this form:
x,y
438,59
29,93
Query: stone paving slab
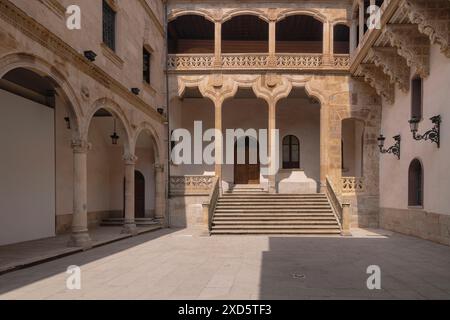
x,y
176,264
22,255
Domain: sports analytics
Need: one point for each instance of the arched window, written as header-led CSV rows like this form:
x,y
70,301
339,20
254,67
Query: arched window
x,y
415,184
291,152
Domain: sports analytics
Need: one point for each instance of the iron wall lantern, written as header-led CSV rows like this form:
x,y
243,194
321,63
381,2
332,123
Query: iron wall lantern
x,y
395,149
434,134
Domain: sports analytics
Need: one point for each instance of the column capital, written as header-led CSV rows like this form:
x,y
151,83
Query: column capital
x,y
130,159
80,146
159,167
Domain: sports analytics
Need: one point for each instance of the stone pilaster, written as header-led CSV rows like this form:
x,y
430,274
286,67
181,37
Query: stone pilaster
x,y
160,193
218,44
80,236
129,226
327,43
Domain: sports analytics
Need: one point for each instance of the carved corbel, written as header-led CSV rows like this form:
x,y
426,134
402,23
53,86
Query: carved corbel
x,y
392,65
411,45
433,20
376,78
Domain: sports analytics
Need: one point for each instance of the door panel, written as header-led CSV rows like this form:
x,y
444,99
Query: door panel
x,y
246,173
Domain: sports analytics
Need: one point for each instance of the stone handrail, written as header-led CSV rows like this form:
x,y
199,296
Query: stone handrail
x,y
342,210
352,184
186,185
209,206
256,61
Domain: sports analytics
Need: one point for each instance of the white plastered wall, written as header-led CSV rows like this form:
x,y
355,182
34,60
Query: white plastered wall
x,y
436,162
27,170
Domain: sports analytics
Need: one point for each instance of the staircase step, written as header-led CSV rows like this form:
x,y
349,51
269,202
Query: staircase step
x,y
275,223
275,218
276,232
274,214
252,211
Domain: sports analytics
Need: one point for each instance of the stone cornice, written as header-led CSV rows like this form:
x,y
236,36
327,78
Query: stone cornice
x,y
153,17
37,32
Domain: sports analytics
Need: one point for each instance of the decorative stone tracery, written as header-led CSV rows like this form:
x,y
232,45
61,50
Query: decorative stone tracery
x,y
433,20
392,65
377,79
411,45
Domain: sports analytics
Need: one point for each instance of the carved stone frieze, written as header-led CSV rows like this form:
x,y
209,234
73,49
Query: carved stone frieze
x,y
411,45
392,65
433,20
377,79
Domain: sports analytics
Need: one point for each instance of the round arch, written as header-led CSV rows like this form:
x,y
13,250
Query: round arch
x,y
115,110
156,141
203,13
43,68
245,12
302,12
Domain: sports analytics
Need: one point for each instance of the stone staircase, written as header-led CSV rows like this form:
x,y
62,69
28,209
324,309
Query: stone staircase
x,y
140,222
251,210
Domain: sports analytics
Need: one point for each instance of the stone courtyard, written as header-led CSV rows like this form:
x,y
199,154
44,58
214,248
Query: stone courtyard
x,y
179,264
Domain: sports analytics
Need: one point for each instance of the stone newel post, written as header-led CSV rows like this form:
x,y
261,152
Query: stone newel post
x,y
80,236
346,220
129,226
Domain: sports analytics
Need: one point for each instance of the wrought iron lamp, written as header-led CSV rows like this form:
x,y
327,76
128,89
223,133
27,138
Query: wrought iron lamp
x,y
434,134
395,149
114,136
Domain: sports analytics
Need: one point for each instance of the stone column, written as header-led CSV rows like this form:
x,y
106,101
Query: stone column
x,y
272,37
129,226
361,21
272,143
327,43
218,142
160,193
80,236
353,27
218,44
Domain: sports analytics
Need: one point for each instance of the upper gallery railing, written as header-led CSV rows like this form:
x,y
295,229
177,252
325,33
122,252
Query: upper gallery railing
x,y
257,61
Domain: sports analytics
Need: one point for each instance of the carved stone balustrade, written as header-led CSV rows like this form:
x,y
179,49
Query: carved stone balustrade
x,y
256,61
195,185
352,185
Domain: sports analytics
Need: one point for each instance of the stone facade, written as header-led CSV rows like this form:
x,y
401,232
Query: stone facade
x,y
369,85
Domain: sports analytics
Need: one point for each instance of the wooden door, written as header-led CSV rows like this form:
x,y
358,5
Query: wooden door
x,y
248,172
139,195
